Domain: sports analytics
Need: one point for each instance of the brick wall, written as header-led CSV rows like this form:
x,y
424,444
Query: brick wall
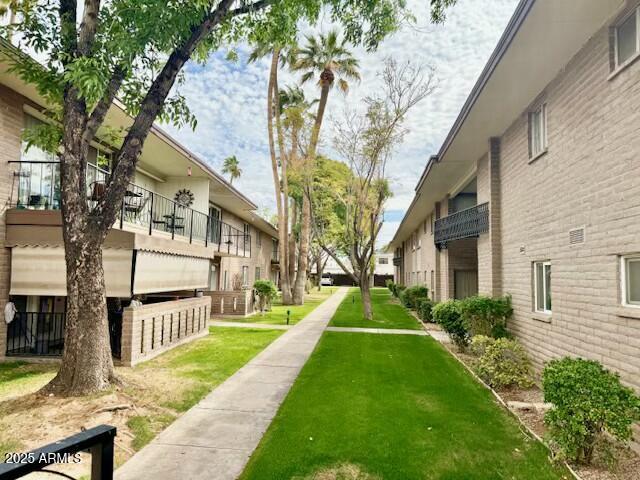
x,y
231,303
150,330
11,123
589,177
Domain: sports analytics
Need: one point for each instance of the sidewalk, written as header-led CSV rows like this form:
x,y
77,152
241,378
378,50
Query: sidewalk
x,y
215,438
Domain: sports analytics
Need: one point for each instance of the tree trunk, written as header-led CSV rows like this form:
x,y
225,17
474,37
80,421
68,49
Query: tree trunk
x,y
303,257
319,271
87,365
365,293
285,285
292,240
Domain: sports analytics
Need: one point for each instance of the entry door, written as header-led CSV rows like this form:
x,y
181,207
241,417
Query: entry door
x,y
465,283
214,277
216,216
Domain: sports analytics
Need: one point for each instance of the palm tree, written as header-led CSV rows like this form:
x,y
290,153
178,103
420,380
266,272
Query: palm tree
x,y
232,167
326,57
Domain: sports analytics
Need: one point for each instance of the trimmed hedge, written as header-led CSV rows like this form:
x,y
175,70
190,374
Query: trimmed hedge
x,y
424,308
410,296
502,363
449,315
486,316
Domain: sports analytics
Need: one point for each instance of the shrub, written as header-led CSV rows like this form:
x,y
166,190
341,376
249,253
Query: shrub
x,y
504,363
588,400
448,315
266,291
479,344
486,316
398,289
424,307
390,285
410,296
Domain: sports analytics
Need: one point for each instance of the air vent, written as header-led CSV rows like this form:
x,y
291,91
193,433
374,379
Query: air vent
x,y
576,236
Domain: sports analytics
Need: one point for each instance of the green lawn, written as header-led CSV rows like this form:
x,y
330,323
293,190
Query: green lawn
x,y
386,312
369,406
278,313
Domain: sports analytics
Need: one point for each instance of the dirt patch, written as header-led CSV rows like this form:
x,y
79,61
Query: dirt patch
x,y
625,464
344,471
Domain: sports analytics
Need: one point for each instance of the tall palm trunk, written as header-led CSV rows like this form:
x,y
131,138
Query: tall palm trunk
x,y
326,79
292,240
303,257
278,183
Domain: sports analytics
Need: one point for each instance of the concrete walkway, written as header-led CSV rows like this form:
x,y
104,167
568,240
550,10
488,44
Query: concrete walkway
x,y
387,331
215,438
265,326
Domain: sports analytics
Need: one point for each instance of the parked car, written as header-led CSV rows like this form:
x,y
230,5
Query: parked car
x,y
326,281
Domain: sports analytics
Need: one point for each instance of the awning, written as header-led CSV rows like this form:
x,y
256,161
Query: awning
x,y
162,272
42,271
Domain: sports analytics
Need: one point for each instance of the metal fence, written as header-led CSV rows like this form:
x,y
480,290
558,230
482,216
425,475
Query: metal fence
x,y
467,223
38,188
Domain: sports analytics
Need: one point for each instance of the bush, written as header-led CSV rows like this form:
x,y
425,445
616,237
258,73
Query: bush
x,y
398,289
479,344
448,315
504,363
588,401
410,296
390,285
266,291
486,316
424,307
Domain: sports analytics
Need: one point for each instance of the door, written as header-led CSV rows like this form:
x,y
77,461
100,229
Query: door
x,y
465,283
214,277
215,215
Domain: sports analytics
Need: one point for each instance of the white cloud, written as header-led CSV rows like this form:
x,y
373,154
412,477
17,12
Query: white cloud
x,y
229,99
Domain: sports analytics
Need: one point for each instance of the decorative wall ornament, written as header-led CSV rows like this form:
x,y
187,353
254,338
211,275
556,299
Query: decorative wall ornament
x,y
185,197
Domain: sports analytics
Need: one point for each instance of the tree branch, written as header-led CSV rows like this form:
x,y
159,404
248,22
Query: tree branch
x,y
88,27
341,264
105,212
100,111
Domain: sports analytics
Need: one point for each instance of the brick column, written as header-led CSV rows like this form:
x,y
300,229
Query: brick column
x,y
489,244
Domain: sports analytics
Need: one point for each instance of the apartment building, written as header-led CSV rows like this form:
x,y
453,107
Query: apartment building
x,y
535,191
186,242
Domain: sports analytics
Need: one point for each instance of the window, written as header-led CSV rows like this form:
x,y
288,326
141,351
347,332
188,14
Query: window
x,y
245,276
383,261
627,38
258,239
538,131
258,273
631,280
542,286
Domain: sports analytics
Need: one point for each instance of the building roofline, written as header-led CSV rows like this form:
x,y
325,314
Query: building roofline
x,y
517,19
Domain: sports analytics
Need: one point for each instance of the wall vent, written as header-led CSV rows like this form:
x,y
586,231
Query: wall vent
x,y
576,236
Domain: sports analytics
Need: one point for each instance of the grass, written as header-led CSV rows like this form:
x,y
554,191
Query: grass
x,y
369,406
278,313
17,378
158,390
187,374
386,314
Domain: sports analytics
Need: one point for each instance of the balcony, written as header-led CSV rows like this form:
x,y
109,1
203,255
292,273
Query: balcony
x,y
142,211
467,223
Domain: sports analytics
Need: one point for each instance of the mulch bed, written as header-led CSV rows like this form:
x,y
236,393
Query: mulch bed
x,y
627,463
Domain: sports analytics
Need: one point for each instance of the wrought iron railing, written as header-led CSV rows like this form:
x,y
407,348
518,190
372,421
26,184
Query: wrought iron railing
x,y
467,223
38,188
99,441
41,334
36,334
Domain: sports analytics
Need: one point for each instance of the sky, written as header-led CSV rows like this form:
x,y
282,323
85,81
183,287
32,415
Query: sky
x,y
229,99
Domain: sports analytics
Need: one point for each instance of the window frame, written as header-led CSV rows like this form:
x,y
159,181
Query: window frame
x,y
624,280
540,109
616,60
544,310
245,275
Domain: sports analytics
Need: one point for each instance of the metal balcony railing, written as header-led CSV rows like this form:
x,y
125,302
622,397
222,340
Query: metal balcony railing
x,y
38,188
397,261
467,223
